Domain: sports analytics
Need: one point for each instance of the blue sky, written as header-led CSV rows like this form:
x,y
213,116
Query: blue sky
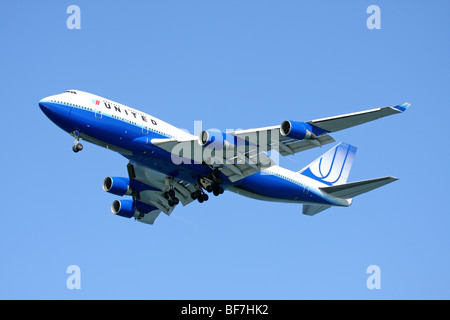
x,y
231,64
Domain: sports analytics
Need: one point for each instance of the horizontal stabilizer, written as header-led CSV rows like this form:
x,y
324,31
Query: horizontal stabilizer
x,y
353,189
311,209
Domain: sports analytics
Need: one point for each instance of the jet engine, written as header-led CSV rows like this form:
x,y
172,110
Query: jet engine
x,y
123,208
117,185
129,208
211,139
296,130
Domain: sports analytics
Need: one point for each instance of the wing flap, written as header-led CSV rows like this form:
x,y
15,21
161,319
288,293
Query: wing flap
x,y
150,217
302,145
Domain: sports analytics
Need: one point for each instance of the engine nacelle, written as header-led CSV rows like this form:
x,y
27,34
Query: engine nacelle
x,y
123,208
128,208
212,139
296,130
117,185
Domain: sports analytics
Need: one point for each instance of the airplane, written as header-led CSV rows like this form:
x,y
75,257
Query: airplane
x,y
168,166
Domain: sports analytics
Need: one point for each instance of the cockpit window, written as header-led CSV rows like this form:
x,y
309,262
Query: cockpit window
x,y
74,92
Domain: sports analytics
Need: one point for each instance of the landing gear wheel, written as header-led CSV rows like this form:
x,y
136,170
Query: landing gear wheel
x,y
77,147
217,190
202,198
171,199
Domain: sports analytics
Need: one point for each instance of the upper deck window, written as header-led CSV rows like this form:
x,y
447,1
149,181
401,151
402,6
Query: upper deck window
x,y
74,92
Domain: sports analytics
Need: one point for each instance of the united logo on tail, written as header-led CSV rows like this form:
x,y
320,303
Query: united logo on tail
x,y
333,167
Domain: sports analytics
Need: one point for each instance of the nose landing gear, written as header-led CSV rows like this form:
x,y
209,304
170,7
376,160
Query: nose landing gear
x,y
77,147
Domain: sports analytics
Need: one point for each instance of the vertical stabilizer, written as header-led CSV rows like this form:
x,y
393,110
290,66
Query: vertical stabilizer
x,y
333,167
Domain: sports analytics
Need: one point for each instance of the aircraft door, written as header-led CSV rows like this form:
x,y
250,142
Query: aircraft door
x,y
98,112
306,190
97,108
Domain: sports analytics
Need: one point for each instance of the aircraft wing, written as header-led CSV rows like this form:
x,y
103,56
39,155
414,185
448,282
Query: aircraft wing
x,y
154,198
333,124
241,153
278,137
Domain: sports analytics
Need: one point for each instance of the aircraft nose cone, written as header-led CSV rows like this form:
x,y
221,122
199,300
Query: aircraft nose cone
x,y
56,112
44,106
51,111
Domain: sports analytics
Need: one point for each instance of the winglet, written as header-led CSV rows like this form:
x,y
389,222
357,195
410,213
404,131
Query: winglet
x,y
402,107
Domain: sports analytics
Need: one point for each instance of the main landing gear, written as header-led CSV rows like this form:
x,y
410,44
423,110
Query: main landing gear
x,y
172,200
210,185
215,189
199,195
215,186
170,195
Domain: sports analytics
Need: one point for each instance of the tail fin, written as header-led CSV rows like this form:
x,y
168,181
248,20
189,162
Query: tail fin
x,y
333,167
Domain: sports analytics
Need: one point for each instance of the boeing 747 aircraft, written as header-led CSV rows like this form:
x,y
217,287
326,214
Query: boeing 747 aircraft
x,y
168,166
